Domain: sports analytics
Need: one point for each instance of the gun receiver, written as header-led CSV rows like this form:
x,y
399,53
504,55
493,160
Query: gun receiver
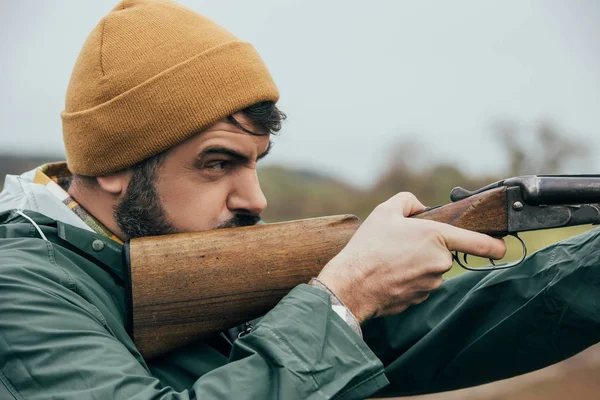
x,y
187,286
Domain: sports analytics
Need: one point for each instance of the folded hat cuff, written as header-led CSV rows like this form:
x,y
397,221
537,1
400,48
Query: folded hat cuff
x,y
166,109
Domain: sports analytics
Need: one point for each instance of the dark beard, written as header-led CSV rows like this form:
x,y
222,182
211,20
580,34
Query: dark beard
x,y
140,213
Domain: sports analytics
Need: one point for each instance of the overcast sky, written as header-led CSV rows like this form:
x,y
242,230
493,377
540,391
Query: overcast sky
x,y
355,76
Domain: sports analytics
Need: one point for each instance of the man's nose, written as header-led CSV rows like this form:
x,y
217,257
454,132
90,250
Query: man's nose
x,y
247,196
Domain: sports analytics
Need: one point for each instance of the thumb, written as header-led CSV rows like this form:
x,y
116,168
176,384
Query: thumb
x,y
407,203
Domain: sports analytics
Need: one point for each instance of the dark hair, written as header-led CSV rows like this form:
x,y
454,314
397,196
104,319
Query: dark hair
x,y
265,114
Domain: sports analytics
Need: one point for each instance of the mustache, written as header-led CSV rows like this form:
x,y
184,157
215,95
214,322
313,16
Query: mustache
x,y
240,220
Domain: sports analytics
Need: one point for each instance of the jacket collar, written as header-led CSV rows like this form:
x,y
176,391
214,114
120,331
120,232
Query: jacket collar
x,y
105,252
20,192
39,190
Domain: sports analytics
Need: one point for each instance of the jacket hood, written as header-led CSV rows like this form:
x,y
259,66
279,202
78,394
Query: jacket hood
x,y
21,193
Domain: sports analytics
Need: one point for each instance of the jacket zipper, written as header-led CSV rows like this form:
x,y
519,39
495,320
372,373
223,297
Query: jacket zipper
x,y
247,329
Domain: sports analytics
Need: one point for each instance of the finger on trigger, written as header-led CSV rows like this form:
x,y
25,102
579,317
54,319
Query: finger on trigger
x,y
474,243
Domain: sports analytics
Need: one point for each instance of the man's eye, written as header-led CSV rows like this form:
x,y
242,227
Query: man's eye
x,y
217,165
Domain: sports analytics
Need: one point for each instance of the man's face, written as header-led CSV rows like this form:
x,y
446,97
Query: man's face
x,y
207,182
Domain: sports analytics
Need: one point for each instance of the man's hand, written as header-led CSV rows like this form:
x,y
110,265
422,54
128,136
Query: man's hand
x,y
392,261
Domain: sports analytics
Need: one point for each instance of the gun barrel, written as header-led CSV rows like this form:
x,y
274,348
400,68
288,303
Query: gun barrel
x,y
558,189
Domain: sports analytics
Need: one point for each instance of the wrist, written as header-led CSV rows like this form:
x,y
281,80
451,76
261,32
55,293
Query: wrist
x,y
338,306
349,291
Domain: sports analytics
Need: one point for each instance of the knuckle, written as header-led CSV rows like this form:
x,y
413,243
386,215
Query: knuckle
x,y
403,197
448,261
441,268
442,264
420,299
408,197
395,204
433,282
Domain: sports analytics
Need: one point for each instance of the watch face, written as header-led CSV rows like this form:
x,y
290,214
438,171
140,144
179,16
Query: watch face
x,y
338,307
341,311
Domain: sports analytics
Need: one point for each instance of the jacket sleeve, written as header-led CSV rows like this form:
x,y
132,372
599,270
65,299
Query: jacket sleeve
x,y
52,345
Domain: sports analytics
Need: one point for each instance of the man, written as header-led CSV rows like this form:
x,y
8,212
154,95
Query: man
x,y
166,117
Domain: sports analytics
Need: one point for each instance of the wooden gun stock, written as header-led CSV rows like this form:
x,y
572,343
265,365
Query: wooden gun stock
x,y
189,286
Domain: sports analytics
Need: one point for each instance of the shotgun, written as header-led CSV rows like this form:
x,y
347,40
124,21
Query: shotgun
x,y
189,286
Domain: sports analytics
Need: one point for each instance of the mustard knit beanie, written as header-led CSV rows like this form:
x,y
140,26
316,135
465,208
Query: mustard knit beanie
x,y
150,75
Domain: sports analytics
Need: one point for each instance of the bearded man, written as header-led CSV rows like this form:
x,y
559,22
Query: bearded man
x,y
167,115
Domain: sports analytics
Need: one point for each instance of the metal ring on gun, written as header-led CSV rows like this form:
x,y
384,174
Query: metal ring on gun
x,y
493,266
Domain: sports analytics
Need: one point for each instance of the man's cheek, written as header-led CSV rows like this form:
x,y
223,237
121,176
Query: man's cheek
x,y
196,216
193,206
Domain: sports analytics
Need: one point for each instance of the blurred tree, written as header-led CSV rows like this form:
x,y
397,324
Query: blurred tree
x,y
410,169
546,150
294,194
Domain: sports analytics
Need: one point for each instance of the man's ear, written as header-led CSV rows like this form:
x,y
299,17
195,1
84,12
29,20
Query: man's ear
x,y
115,183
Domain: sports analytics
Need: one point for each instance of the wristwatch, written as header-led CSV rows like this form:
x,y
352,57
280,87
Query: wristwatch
x,y
338,306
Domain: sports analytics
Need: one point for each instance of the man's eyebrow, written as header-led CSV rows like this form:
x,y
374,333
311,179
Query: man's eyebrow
x,y
232,153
